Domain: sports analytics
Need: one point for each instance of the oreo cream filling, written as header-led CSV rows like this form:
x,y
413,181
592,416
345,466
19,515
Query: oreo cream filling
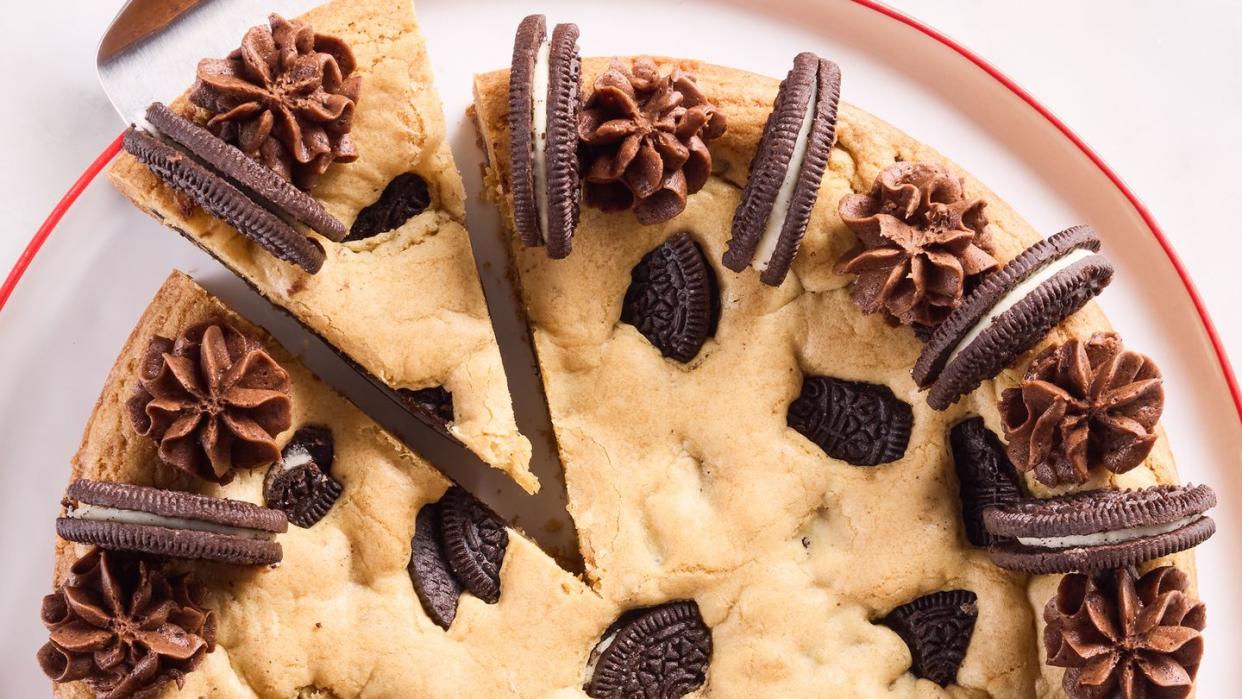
x,y
784,196
117,515
1102,538
539,81
1015,296
598,652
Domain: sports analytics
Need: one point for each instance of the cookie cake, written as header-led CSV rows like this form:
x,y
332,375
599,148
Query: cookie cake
x,y
834,420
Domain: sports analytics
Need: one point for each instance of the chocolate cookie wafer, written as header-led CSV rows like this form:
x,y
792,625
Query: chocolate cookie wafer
x,y
224,201
247,174
786,171
1009,312
1100,529
137,518
543,134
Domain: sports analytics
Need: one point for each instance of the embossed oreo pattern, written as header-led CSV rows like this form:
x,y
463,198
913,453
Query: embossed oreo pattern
x,y
860,423
673,299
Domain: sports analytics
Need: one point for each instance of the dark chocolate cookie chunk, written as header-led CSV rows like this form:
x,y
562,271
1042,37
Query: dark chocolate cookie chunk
x,y
299,484
1100,529
224,201
1009,312
262,183
405,197
785,173
673,299
437,588
313,442
170,523
543,136
475,540
937,629
434,406
985,476
658,652
862,424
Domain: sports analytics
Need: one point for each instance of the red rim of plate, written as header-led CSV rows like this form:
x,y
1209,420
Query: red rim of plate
x,y
45,230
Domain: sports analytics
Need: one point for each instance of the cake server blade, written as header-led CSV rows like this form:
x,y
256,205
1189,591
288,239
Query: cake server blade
x,y
152,47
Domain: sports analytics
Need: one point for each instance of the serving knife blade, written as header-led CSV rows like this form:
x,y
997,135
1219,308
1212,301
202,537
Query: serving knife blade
x,y
152,47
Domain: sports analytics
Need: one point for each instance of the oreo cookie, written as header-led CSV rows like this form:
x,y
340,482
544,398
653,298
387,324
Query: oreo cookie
x,y
247,174
544,83
223,200
125,517
937,630
475,540
673,299
985,476
1100,529
434,406
434,583
660,652
862,424
1009,312
403,198
786,170
299,484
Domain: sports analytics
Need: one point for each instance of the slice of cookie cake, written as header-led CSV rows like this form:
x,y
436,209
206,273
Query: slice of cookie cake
x,y
312,162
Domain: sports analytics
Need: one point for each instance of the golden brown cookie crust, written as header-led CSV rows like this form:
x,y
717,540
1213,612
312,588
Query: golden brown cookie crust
x,y
684,479
406,305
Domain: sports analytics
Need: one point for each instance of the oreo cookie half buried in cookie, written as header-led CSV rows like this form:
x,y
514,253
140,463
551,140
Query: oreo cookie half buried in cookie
x,y
299,484
1009,312
786,171
985,476
475,540
543,134
658,652
126,517
673,299
937,630
434,583
862,424
247,174
1100,529
223,200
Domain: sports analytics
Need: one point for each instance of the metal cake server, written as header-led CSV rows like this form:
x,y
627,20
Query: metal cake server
x,y
152,47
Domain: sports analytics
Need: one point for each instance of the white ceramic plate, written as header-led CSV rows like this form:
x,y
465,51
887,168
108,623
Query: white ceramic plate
x,y
67,320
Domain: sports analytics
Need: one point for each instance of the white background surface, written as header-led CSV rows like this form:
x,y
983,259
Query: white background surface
x,y
1157,93
1155,87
